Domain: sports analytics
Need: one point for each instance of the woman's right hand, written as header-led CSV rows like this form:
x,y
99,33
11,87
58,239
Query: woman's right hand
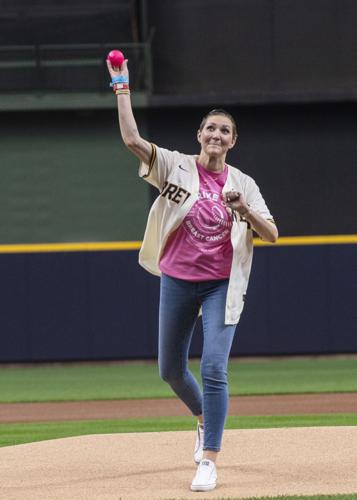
x,y
116,71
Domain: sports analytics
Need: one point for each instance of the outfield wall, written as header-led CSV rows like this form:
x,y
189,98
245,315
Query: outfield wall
x,y
89,305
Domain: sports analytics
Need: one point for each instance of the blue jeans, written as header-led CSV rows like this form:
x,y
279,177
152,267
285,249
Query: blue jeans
x,y
180,302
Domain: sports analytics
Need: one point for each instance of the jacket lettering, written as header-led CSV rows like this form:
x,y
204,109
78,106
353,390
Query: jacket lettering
x,y
175,193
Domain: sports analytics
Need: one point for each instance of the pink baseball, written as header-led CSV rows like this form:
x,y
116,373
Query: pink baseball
x,y
116,58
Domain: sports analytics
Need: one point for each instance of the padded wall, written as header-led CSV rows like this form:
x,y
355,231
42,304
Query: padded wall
x,y
101,305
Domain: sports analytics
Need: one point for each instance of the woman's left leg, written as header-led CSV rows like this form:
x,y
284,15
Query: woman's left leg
x,y
217,343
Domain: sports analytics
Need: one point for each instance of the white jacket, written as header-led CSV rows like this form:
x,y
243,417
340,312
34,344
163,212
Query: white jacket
x,y
175,175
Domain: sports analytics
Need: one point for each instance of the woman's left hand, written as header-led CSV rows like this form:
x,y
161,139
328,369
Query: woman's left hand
x,y
236,201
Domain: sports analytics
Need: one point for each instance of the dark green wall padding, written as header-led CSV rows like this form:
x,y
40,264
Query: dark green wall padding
x,y
67,177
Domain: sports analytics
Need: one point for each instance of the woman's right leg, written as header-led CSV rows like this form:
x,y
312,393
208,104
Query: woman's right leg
x,y
179,309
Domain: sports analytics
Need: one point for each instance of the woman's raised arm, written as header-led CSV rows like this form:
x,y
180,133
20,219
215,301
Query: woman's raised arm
x,y
128,127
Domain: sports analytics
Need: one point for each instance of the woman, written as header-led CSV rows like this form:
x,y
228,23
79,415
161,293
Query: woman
x,y
199,239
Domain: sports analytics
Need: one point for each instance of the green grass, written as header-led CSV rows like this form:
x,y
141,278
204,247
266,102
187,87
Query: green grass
x,y
78,382
352,496
13,434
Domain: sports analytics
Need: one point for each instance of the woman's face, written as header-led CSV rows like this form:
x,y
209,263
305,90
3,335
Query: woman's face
x,y
216,136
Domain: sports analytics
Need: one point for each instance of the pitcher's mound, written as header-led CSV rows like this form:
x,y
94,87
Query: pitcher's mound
x,y
262,462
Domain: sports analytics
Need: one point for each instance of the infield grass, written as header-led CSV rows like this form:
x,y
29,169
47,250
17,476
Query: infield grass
x,y
352,496
136,380
20,433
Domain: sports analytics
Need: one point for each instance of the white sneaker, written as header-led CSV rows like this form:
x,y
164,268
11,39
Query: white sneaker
x,y
206,476
198,453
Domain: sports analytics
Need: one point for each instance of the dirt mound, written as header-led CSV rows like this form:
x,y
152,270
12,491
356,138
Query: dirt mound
x,y
294,461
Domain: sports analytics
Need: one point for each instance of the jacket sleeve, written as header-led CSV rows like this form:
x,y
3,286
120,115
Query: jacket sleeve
x,y
157,170
255,199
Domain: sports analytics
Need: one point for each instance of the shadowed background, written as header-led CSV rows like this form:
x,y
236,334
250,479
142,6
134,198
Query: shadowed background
x,y
285,69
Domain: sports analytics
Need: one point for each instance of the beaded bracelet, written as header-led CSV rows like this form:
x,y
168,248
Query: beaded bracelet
x,y
122,91
120,86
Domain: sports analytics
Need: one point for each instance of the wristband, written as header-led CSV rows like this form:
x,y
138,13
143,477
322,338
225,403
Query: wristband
x,y
119,79
119,86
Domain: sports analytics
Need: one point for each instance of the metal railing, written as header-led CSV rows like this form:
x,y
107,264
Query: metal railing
x,y
71,67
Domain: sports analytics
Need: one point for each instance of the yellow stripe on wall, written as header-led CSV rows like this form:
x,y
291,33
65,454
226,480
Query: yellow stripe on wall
x,y
71,247
338,239
335,239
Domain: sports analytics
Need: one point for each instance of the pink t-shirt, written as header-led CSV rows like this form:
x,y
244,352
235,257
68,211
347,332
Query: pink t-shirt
x,y
200,249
